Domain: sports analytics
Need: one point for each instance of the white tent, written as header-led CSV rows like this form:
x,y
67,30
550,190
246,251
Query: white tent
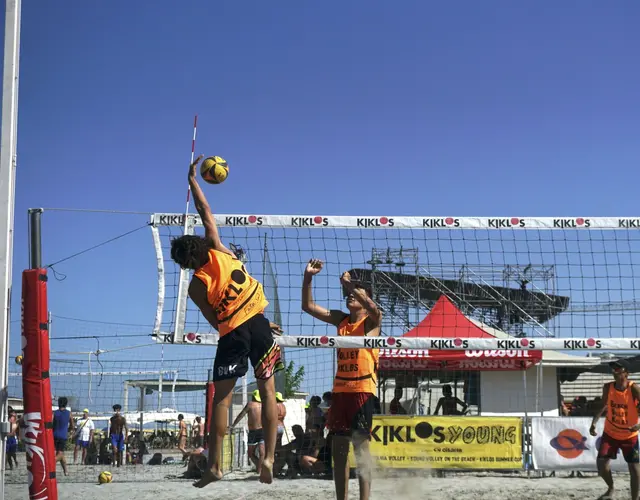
x,y
165,415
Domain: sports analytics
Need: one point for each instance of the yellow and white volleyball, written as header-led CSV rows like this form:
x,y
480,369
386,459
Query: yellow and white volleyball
x,y
105,477
214,169
19,359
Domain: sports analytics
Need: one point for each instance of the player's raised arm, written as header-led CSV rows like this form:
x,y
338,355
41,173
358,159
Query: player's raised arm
x,y
204,210
308,305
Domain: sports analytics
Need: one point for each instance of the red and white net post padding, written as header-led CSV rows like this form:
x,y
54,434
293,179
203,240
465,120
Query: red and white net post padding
x,y
37,430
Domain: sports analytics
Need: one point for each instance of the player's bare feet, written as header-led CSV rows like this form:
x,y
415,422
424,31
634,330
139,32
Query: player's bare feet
x,y
209,476
608,495
266,473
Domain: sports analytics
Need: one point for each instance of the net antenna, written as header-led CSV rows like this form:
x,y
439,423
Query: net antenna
x,y
185,274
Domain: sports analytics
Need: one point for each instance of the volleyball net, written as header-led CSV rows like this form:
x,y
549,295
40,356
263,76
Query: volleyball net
x,y
529,278
506,315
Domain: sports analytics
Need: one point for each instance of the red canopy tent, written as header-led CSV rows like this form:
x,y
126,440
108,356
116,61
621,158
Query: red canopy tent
x,y
445,320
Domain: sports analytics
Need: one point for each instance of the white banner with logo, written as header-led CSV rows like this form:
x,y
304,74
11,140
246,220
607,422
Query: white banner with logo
x,y
565,443
392,222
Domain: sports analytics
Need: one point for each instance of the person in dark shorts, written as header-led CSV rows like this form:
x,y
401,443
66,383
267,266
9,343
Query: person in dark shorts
x,y
62,426
11,448
233,302
255,439
118,433
355,384
620,401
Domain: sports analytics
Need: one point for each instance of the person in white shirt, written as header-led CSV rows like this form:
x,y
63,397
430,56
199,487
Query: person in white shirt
x,y
84,435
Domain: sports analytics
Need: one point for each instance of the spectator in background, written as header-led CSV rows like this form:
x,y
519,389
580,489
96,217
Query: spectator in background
x,y
326,401
282,413
377,407
62,426
12,439
84,436
564,409
302,453
182,434
255,439
395,406
118,432
579,407
198,432
449,403
315,416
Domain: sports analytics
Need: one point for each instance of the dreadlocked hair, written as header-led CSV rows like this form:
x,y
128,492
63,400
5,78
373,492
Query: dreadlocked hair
x,y
191,251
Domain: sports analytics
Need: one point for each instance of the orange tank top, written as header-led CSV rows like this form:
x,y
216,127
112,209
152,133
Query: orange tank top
x,y
234,295
357,368
622,413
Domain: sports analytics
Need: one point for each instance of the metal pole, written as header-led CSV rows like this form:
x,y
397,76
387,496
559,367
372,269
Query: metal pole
x,y
35,238
8,154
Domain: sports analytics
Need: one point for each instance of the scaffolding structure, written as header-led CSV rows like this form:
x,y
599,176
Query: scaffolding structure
x,y
517,299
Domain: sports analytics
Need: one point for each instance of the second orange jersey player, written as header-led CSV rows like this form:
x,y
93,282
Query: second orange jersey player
x,y
233,302
620,401
353,401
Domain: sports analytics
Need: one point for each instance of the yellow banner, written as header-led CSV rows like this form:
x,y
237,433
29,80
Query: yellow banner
x,y
447,442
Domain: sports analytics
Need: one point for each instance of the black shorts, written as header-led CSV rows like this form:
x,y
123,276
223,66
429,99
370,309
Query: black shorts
x,y
252,340
60,444
255,437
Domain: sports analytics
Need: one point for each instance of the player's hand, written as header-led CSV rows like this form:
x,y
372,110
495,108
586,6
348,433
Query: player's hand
x,y
345,279
192,167
313,267
635,428
592,430
276,329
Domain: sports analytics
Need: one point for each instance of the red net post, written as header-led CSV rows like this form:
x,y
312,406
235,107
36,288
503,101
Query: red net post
x,y
36,387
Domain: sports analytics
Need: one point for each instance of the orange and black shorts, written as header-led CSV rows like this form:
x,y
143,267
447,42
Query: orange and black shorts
x,y
251,341
351,413
629,447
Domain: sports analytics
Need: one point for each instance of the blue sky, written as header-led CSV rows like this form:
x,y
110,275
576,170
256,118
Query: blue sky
x,y
413,108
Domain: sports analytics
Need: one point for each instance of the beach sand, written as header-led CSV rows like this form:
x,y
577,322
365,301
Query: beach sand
x,y
245,486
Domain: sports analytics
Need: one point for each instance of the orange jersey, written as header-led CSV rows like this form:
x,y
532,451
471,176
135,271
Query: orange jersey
x,y
234,295
622,413
357,368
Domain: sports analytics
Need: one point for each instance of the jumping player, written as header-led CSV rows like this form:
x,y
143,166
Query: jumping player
x,y
233,302
354,387
619,400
